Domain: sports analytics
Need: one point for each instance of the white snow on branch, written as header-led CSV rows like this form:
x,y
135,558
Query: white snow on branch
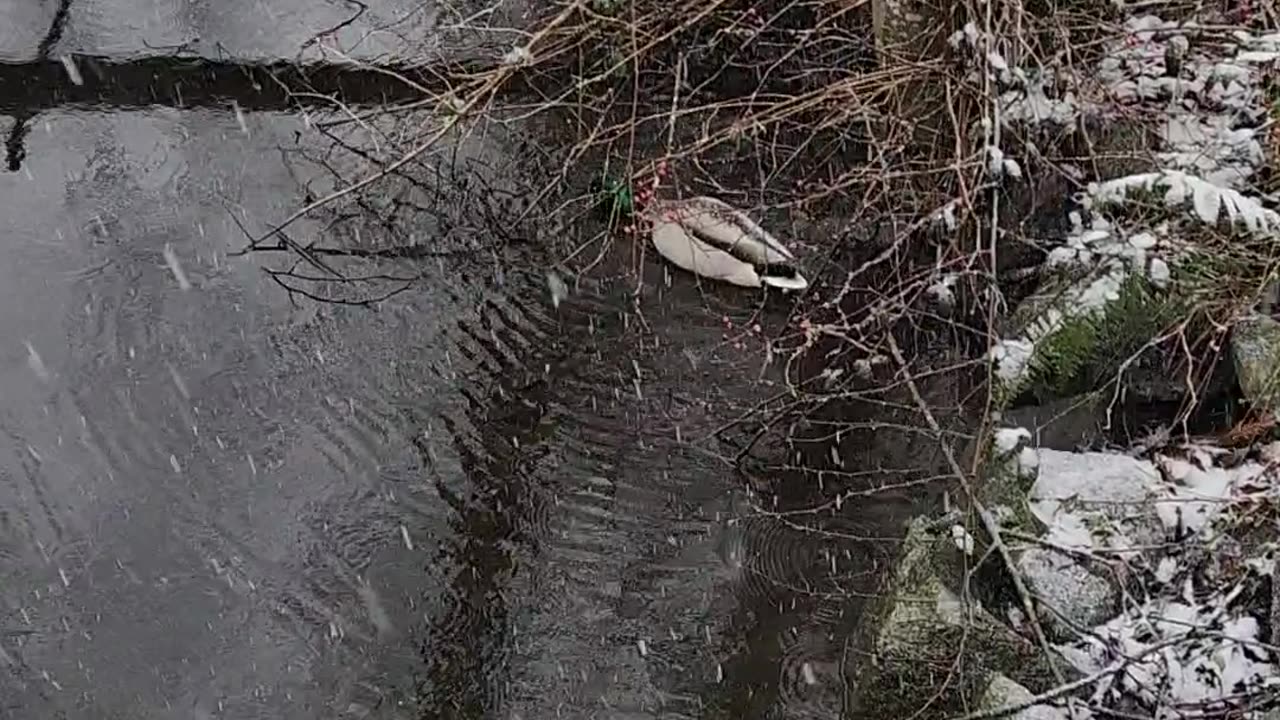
x,y
517,55
1012,358
1209,201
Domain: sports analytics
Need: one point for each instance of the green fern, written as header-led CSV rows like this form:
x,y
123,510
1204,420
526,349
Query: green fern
x,y
1087,349
1059,358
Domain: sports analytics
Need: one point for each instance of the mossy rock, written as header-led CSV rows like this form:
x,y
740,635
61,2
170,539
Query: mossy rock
x,y
1255,350
1002,692
1005,483
925,654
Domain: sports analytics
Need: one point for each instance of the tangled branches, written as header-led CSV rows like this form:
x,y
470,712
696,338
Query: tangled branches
x,y
870,133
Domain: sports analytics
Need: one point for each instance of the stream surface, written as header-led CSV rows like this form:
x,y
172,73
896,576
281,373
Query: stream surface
x,y
218,501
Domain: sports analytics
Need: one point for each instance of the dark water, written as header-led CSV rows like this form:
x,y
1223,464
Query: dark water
x,y
217,501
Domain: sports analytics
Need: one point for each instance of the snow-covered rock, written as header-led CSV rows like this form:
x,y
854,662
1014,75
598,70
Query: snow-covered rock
x,y
1190,638
1083,598
1089,500
1173,662
1198,490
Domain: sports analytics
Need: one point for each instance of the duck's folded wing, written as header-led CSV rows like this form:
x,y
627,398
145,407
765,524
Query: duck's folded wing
x,y
730,229
689,253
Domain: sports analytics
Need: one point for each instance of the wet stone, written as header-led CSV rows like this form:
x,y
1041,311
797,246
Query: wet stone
x,y
1255,350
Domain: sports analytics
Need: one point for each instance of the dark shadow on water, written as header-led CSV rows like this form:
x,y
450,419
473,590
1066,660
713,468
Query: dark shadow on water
x,y
28,88
584,527
189,82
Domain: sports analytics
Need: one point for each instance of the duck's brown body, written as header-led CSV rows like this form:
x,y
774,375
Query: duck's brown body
x,y
710,238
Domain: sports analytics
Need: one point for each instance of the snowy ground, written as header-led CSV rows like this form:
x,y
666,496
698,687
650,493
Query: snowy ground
x,y
1157,564
1185,632
1200,87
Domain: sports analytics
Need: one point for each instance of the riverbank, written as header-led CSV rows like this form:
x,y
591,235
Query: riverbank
x,y
1129,571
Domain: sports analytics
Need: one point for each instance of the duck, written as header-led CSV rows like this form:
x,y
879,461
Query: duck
x,y
710,238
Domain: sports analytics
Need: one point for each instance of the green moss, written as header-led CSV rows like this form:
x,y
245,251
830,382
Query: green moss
x,y
925,648
1255,349
1003,486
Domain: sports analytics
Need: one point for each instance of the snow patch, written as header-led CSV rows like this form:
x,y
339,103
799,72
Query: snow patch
x,y
1209,201
1188,643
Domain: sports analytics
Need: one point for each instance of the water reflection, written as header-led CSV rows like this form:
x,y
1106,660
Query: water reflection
x,y
209,498
467,503
189,82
